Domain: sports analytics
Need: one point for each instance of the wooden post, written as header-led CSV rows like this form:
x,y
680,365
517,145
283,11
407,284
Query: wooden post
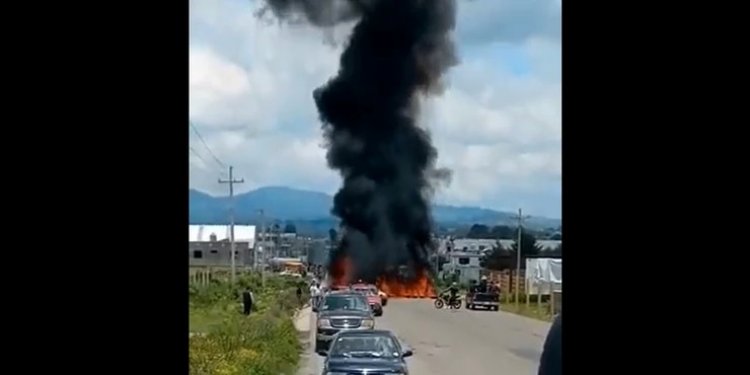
x,y
539,298
552,297
528,300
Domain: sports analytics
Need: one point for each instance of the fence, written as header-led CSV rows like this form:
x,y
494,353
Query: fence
x,y
202,275
546,298
507,281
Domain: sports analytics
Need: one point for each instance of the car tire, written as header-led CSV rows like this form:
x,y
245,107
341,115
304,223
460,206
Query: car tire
x,y
319,346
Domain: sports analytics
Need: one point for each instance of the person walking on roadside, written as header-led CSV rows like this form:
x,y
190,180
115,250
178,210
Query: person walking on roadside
x,y
247,301
299,294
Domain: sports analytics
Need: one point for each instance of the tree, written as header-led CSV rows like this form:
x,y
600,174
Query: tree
x,y
502,232
557,252
442,260
290,228
499,258
529,247
478,231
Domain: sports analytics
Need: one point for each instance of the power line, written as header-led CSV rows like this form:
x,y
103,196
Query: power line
x,y
198,155
221,164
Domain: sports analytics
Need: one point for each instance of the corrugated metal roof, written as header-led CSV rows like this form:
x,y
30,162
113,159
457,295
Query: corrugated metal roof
x,y
243,233
472,245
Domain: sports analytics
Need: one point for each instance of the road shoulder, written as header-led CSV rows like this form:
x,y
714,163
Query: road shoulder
x,y
308,361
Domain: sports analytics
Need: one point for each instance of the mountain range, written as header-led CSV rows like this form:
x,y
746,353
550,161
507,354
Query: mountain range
x,y
310,211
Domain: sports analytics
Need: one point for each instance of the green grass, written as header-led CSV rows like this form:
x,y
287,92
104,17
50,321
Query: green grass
x,y
264,343
531,310
209,319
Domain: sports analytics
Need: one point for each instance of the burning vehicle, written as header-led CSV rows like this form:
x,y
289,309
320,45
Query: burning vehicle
x,y
371,292
383,297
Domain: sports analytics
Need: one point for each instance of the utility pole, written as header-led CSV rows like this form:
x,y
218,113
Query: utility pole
x,y
518,255
262,236
231,181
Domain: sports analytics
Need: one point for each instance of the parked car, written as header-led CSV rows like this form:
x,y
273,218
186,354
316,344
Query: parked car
x,y
341,311
366,352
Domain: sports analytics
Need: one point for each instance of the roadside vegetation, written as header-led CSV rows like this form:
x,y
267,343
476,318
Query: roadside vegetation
x,y
532,309
223,341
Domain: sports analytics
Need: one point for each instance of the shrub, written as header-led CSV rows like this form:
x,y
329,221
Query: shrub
x,y
263,343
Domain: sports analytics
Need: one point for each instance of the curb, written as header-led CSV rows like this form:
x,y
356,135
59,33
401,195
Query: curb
x,y
303,334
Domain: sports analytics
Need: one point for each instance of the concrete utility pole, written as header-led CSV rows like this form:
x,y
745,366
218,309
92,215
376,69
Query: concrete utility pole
x,y
231,181
262,236
261,248
518,254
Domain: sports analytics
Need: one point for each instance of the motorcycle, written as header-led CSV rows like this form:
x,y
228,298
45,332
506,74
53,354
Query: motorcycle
x,y
441,301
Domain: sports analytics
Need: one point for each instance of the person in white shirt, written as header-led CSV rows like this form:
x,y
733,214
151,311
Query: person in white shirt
x,y
314,293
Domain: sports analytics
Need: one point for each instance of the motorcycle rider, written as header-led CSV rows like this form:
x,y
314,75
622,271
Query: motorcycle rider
x,y
452,291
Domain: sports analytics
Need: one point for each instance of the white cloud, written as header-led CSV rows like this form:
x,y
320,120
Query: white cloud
x,y
250,96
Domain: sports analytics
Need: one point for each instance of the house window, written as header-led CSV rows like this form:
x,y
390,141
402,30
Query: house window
x,y
463,261
214,251
197,254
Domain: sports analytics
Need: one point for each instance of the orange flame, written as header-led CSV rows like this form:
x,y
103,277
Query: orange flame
x,y
342,273
421,287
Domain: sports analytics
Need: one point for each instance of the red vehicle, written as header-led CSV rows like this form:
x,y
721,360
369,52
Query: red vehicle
x,y
339,288
373,298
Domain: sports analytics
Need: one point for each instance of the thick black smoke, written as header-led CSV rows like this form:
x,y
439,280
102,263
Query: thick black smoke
x,y
398,51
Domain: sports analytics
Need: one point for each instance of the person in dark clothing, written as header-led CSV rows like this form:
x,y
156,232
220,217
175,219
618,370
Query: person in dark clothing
x,y
452,292
299,294
482,285
551,361
247,301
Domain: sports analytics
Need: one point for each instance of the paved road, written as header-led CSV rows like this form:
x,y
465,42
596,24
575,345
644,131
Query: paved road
x,y
450,342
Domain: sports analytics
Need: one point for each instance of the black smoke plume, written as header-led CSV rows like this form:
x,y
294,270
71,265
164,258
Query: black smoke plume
x,y
397,53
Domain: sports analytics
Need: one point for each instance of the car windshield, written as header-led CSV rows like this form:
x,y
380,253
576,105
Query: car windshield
x,y
345,303
365,346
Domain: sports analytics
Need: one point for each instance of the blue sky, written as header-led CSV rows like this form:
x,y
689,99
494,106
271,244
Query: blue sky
x,y
497,125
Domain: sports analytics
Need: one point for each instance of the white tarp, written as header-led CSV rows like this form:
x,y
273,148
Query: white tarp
x,y
543,274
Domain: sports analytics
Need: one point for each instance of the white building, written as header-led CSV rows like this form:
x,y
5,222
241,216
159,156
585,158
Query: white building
x,y
464,265
242,233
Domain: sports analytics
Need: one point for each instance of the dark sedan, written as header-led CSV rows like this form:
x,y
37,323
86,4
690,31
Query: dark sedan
x,y
366,352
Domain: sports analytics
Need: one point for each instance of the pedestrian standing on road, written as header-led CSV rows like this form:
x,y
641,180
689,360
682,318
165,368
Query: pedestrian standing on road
x,y
247,301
